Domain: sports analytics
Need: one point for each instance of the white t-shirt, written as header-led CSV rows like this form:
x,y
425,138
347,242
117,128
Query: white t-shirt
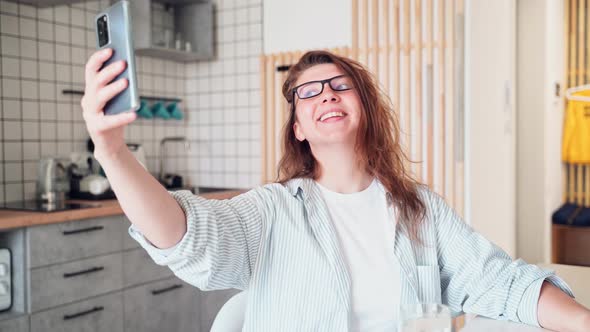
x,y
366,232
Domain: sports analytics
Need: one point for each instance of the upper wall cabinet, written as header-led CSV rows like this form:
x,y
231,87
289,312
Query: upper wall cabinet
x,y
178,30
47,3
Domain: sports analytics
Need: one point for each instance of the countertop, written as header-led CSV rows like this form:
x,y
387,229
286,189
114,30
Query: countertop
x,y
15,219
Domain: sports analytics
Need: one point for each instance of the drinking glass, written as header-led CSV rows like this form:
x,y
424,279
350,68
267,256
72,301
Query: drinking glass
x,y
425,317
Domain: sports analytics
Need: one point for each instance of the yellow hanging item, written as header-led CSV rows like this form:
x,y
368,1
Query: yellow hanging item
x,y
576,131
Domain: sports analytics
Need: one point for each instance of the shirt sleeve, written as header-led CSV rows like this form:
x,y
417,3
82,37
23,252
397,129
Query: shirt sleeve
x,y
220,247
479,277
527,310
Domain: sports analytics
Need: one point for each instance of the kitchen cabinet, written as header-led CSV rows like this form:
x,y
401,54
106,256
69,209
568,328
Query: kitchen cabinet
x,y
154,35
89,275
62,242
20,324
48,3
176,303
100,314
191,19
73,281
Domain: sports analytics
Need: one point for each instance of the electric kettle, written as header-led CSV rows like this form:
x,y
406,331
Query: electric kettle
x,y
52,179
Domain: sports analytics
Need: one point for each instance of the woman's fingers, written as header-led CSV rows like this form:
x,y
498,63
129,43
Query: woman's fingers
x,y
95,62
114,121
104,94
108,73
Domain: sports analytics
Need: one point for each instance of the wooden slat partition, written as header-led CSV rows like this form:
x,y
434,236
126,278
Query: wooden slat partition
x,y
413,48
576,184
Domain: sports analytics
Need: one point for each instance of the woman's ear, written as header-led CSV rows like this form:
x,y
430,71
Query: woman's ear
x,y
298,132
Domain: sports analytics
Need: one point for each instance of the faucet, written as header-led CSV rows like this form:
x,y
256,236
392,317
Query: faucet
x,y
163,142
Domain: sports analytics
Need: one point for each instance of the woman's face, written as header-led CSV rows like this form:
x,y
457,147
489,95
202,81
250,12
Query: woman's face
x,y
330,117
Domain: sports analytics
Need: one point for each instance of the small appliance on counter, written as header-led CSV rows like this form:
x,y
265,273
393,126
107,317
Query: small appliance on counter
x,y
52,179
52,187
87,180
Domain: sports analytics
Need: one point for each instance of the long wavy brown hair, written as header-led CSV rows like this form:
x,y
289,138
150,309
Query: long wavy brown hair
x,y
377,141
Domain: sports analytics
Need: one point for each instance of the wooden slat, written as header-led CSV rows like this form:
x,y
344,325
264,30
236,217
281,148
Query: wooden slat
x,y
272,110
375,35
571,185
460,164
450,195
365,31
587,189
586,64
417,136
396,63
263,121
567,66
581,47
441,86
355,27
429,96
384,22
574,42
407,127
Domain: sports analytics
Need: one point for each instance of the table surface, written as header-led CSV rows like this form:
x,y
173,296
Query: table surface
x,y
471,323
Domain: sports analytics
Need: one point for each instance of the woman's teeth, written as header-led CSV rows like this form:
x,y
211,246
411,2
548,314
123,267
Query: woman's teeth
x,y
330,115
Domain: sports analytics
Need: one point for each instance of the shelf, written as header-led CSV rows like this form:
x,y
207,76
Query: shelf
x,y
171,54
193,20
181,2
150,98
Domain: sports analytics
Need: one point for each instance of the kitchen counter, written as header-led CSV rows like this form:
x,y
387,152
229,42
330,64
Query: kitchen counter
x,y
15,219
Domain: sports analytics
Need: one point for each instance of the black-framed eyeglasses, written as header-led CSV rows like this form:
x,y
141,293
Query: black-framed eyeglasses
x,y
315,88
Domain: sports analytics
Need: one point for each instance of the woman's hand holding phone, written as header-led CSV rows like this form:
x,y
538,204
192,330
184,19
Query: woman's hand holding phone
x,y
107,132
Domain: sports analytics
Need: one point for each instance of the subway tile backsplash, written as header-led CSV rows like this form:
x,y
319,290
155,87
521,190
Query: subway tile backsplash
x,y
44,50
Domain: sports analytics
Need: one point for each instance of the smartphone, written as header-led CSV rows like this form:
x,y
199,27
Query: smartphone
x,y
113,30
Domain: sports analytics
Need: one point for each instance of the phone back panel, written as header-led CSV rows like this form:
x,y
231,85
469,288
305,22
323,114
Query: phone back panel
x,y
121,41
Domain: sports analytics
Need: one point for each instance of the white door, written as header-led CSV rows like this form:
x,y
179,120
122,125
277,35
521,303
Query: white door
x,y
490,57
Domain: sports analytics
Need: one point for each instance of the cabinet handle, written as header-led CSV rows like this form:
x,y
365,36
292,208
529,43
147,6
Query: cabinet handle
x,y
83,313
90,270
167,289
83,230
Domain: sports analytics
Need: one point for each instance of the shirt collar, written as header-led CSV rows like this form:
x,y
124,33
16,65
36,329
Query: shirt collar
x,y
300,184
306,185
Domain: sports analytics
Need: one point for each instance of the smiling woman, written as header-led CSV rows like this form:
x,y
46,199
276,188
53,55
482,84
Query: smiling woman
x,y
344,238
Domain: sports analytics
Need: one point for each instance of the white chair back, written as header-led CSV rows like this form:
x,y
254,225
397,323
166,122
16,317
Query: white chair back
x,y
231,316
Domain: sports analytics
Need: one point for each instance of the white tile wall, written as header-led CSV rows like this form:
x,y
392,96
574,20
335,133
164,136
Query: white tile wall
x,y
44,50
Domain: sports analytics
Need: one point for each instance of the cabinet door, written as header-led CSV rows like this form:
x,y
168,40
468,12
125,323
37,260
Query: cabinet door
x,y
99,314
67,241
211,303
20,324
73,281
138,268
167,305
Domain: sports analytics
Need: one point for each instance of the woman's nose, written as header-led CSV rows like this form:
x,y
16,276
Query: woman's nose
x,y
329,95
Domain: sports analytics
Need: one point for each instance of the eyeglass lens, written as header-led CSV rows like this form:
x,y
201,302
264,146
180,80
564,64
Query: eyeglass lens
x,y
312,89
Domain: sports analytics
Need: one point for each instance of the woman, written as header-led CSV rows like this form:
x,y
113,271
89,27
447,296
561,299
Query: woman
x,y
343,238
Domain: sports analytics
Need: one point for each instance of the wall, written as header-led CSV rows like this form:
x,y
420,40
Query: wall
x,y
223,96
43,51
306,24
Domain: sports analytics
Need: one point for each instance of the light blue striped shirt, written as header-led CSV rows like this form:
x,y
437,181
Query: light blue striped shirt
x,y
279,243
